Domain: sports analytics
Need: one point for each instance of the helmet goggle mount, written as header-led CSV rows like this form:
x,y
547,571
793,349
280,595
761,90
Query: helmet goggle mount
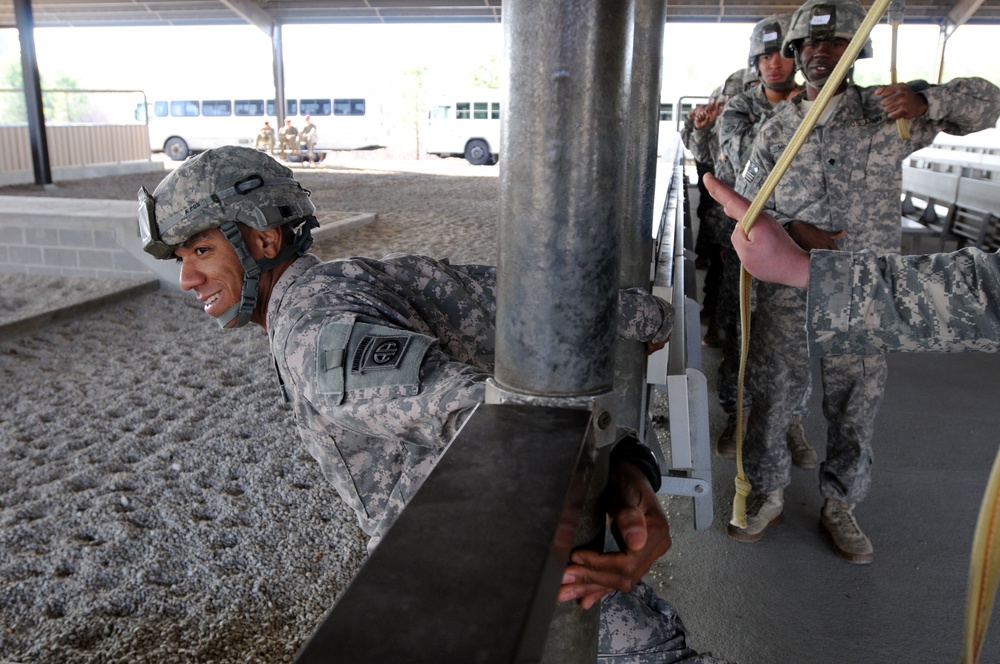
x,y
152,243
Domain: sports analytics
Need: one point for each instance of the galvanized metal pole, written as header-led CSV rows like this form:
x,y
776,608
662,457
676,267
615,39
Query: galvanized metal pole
x,y
558,237
649,18
278,53
560,186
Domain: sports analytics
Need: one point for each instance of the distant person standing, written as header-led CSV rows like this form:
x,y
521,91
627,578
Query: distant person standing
x,y
289,139
265,138
307,137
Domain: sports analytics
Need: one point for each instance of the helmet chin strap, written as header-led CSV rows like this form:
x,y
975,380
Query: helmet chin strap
x,y
783,86
252,269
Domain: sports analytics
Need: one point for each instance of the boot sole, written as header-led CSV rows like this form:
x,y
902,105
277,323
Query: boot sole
x,y
853,558
808,465
741,535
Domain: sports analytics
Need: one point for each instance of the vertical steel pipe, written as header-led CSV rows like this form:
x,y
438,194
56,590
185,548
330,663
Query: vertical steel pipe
x,y
558,235
648,20
560,184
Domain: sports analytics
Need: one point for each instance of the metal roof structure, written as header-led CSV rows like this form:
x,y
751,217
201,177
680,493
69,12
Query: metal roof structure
x,y
267,13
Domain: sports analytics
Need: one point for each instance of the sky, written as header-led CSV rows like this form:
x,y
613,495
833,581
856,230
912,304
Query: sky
x,y
373,59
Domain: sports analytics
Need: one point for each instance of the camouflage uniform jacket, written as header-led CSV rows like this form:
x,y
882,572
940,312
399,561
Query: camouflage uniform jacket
x,y
848,171
859,303
739,123
384,360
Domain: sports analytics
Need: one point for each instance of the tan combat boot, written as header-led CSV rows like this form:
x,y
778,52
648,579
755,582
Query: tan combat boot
x,y
726,447
803,455
837,519
765,510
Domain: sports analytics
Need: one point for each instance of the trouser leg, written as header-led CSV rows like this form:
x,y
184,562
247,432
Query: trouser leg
x,y
642,628
853,386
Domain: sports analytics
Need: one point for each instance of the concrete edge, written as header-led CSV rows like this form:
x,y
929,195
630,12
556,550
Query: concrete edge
x,y
33,322
334,227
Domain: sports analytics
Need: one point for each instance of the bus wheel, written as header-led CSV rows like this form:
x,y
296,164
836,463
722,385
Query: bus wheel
x,y
176,149
477,153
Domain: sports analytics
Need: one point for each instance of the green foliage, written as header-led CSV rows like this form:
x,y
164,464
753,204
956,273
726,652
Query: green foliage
x,y
487,74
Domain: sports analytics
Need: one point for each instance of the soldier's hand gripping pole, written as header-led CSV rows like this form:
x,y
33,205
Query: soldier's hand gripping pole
x,y
895,16
798,139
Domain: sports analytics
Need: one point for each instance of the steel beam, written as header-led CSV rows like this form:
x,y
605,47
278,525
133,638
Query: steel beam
x,y
470,570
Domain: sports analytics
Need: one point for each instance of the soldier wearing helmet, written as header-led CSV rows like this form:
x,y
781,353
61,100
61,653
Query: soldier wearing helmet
x,y
842,192
384,360
737,128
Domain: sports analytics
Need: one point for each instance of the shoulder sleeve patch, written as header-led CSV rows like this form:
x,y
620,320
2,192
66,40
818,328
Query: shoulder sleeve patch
x,y
361,356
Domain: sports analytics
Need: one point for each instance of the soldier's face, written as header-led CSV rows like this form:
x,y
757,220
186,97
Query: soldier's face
x,y
820,56
774,69
210,268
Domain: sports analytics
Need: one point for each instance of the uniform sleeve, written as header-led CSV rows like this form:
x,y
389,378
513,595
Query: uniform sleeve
x,y
735,128
961,106
861,304
757,167
644,317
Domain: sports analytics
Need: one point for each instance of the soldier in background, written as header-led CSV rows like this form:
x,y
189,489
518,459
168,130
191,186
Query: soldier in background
x,y
738,126
265,138
288,140
702,140
843,192
307,137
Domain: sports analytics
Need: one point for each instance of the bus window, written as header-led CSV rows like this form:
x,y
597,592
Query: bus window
x,y
666,112
160,109
184,109
348,106
217,108
315,107
480,110
249,107
495,110
440,112
292,106
462,110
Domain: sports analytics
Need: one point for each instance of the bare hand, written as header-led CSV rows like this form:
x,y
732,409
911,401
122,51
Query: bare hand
x,y
769,254
642,532
706,114
810,237
899,101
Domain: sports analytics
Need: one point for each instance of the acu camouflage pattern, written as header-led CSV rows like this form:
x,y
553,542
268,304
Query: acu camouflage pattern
x,y
280,201
641,628
861,304
767,37
377,444
847,175
825,19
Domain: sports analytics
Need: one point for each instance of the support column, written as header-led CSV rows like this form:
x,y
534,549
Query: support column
x,y
649,19
279,77
32,92
558,236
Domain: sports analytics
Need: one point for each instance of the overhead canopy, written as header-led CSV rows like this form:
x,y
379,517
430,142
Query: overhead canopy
x,y
264,13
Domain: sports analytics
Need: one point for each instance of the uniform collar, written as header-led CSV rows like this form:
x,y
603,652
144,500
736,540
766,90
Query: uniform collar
x,y
298,267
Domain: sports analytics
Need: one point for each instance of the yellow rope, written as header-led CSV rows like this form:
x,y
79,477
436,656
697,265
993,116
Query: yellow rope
x,y
798,140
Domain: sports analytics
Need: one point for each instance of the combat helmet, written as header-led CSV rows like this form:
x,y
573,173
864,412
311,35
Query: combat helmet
x,y
767,36
217,189
825,19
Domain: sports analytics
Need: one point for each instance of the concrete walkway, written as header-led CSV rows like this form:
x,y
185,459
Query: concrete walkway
x,y
788,599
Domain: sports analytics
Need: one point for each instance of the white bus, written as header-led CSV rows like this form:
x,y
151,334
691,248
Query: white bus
x,y
180,126
467,126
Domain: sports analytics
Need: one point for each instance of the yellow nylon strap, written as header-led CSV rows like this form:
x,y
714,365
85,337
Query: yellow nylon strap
x,y
984,569
798,139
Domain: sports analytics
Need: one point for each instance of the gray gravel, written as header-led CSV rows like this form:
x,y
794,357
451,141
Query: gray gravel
x,y
156,504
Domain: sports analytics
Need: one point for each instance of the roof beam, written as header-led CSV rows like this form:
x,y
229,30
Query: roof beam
x,y
254,14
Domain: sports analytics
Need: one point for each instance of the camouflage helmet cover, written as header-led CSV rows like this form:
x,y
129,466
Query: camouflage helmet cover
x,y
734,84
226,184
767,36
825,19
